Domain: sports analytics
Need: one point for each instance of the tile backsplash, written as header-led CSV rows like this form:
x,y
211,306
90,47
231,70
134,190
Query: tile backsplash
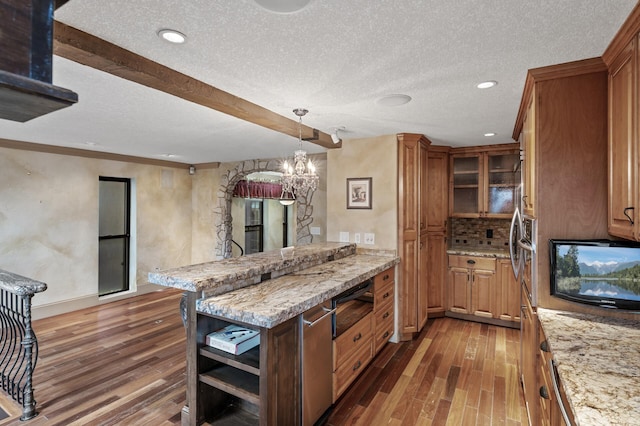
x,y
481,233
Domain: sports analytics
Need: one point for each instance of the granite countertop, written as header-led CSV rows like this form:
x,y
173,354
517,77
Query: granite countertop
x,y
225,275
481,252
598,361
277,300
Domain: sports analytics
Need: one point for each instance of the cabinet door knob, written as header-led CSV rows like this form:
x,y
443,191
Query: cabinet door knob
x,y
544,393
386,315
544,346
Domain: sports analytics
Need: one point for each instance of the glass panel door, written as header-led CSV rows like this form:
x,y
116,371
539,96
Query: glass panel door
x,y
466,175
504,177
113,235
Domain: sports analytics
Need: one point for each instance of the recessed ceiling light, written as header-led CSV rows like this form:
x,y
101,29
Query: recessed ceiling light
x,y
172,36
393,100
490,134
486,84
168,155
283,6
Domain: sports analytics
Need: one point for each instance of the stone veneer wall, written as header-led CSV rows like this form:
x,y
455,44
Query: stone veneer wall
x,y
472,233
225,195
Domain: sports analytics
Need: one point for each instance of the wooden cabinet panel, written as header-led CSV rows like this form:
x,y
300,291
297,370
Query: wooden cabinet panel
x,y
529,160
436,273
423,289
623,144
383,324
459,290
483,293
351,340
528,359
437,189
508,292
349,369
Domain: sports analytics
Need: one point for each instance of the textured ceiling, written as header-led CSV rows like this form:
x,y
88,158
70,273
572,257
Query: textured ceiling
x,y
334,57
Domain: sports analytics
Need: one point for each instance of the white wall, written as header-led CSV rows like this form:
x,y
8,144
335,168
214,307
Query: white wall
x,y
49,223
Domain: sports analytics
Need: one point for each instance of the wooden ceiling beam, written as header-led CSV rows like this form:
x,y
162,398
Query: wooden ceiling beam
x,y
86,49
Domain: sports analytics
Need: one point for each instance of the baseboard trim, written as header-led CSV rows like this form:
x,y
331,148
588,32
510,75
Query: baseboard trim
x,y
70,305
492,321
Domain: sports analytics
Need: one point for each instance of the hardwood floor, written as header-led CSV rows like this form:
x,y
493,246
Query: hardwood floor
x,y
455,373
123,363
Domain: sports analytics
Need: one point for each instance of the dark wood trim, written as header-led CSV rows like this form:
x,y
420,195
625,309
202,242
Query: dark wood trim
x,y
552,72
86,49
76,152
629,29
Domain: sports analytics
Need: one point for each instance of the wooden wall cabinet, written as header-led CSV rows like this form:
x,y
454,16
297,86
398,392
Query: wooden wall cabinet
x,y
412,230
529,161
483,181
624,77
472,285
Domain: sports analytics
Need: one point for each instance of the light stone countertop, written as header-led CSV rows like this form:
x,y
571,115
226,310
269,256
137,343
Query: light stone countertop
x,y
277,300
480,252
225,275
598,361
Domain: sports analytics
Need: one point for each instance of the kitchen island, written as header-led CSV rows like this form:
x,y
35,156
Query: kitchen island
x,y
598,365
267,292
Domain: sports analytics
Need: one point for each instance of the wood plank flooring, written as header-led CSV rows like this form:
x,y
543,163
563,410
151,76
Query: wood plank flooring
x,y
454,373
123,363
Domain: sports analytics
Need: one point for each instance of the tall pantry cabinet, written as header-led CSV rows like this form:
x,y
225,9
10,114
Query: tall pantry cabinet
x,y
412,234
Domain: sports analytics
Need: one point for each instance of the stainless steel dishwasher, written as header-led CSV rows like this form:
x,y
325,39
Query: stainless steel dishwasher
x,y
317,363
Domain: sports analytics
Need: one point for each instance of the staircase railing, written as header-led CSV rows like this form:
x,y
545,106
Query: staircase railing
x,y
18,343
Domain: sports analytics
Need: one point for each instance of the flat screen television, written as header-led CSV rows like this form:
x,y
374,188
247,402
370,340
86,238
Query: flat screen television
x,y
603,273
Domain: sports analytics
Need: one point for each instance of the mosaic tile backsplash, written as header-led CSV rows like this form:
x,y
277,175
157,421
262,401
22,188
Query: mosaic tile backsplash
x,y
480,233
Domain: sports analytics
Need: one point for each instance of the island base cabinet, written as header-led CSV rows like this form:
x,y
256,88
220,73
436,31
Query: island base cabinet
x,y
247,388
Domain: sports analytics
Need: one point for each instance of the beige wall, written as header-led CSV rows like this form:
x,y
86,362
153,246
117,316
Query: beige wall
x,y
49,222
372,157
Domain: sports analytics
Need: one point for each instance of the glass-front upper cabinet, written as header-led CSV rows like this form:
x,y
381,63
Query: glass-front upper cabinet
x,y
485,183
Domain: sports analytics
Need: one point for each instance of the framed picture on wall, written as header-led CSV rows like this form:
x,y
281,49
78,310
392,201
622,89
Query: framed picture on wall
x,y
359,193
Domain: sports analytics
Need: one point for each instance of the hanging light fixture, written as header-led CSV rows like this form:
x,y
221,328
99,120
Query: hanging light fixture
x,y
299,174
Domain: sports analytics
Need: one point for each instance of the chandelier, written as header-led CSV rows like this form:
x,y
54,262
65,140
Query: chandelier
x,y
299,175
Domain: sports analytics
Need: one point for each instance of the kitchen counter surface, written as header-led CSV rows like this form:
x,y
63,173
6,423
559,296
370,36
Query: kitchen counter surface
x,y
598,362
481,252
225,275
277,300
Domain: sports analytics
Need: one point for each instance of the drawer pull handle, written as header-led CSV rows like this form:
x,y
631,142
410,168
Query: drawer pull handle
x,y
357,365
385,335
386,277
471,262
386,295
386,315
357,337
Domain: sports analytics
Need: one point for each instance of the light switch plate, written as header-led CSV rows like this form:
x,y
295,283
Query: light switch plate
x,y
344,237
356,238
369,238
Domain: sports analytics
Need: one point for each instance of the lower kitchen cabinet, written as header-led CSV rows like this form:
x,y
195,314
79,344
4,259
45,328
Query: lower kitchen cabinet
x,y
529,358
436,273
508,295
471,286
355,347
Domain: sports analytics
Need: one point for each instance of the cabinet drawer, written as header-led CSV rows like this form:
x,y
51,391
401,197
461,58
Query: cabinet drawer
x,y
352,340
383,278
383,325
352,366
382,293
472,262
